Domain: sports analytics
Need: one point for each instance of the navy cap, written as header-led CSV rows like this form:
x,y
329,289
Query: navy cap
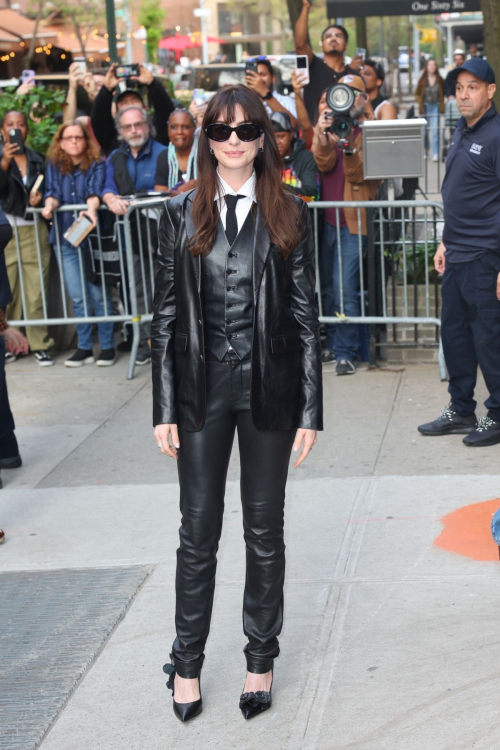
x,y
478,67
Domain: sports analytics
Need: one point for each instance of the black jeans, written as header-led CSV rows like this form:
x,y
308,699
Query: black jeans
x,y
8,443
471,333
202,464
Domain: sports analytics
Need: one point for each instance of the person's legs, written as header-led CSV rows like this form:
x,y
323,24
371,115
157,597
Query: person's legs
x,y
458,341
37,336
326,253
264,458
8,442
203,459
78,289
347,298
485,324
435,133
103,306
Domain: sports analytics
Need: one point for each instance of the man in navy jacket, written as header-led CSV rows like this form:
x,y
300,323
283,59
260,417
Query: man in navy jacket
x,y
469,258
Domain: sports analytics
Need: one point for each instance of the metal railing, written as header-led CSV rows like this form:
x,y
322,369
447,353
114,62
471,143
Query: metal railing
x,y
396,284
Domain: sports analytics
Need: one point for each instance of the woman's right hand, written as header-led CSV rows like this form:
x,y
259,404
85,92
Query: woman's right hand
x,y
75,76
298,82
9,151
162,434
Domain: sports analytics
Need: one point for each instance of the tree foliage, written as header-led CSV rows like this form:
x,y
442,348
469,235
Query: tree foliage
x,y
40,106
151,16
491,15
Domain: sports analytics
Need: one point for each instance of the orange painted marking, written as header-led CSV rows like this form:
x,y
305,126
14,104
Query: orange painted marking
x,y
467,531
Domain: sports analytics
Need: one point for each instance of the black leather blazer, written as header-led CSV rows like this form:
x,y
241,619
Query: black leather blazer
x,y
286,390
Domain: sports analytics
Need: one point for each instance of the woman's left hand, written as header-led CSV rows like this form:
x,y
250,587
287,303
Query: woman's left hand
x,y
91,216
306,438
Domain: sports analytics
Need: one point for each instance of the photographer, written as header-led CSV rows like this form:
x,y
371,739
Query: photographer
x,y
262,82
327,71
342,180
103,124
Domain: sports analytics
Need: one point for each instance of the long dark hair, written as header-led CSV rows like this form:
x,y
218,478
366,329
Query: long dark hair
x,y
278,207
424,77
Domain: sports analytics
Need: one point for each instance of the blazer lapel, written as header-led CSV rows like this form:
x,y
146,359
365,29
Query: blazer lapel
x,y
190,230
261,248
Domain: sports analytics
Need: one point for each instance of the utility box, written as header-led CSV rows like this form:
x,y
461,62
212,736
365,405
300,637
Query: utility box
x,y
393,148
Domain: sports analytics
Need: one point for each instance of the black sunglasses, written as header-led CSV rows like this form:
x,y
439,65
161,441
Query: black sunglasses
x,y
220,132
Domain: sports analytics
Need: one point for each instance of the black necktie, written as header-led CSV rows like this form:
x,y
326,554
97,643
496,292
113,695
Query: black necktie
x,y
231,221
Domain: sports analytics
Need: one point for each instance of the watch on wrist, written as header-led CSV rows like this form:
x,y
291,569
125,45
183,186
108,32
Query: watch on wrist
x,y
269,95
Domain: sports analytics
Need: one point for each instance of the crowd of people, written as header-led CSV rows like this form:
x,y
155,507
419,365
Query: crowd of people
x,y
137,141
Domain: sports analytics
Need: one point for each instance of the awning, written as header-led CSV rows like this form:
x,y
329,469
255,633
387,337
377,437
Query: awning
x,y
362,8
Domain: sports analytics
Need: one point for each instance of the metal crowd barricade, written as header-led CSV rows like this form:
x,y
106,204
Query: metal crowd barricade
x,y
402,235
125,273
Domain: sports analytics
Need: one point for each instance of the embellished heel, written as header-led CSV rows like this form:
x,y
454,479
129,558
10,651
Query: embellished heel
x,y
183,711
252,704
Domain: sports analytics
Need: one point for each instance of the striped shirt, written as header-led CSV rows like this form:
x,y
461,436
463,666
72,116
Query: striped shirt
x,y
286,101
72,189
3,322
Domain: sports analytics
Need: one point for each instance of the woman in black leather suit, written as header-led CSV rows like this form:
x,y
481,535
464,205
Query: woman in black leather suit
x,y
235,346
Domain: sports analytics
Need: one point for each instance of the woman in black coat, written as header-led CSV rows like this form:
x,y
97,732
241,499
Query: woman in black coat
x,y
235,345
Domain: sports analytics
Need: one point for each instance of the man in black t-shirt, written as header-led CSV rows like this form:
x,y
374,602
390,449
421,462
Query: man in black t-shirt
x,y
326,72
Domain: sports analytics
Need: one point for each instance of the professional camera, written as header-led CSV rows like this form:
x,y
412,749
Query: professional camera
x,y
340,99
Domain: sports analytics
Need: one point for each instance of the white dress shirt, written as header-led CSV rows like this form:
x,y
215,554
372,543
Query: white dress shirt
x,y
243,206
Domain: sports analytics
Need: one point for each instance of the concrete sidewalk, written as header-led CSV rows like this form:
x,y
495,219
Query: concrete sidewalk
x,y
390,642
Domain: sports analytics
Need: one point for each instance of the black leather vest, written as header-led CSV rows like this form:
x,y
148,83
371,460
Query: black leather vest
x,y
227,290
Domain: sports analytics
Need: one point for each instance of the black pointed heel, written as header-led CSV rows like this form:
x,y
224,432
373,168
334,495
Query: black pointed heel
x,y
252,704
183,711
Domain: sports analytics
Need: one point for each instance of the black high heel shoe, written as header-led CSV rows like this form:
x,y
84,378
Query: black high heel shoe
x,y
183,711
252,704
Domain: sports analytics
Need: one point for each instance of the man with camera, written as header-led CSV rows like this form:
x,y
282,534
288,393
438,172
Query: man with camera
x,y
260,77
338,152
101,118
469,258
327,71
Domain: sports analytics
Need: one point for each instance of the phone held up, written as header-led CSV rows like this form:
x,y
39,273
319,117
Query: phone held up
x,y
302,68
199,97
81,65
250,66
26,75
126,71
360,52
15,136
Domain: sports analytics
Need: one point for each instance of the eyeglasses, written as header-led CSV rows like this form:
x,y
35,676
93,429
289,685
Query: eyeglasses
x,y
246,132
133,126
73,138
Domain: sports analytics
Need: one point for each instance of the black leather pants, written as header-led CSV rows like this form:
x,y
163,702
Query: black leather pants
x,y
202,463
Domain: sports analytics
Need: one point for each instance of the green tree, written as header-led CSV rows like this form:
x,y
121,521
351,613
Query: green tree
x,y
491,15
40,106
151,16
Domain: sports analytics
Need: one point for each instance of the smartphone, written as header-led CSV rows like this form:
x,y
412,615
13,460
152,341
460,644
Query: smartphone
x,y
302,67
199,97
81,65
360,52
126,71
251,66
15,136
27,74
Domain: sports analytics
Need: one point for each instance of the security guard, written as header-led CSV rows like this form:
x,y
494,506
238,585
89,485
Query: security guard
x,y
469,258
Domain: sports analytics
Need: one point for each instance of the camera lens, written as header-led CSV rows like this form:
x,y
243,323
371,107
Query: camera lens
x,y
340,97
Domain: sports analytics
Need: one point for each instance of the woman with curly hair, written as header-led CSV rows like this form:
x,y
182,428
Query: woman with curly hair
x,y
75,174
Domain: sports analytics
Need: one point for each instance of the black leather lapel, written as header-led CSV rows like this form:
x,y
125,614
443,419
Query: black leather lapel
x,y
190,230
261,250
